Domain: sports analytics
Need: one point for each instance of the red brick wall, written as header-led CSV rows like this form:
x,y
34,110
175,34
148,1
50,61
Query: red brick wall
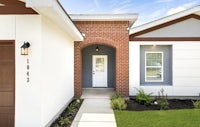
x,y
110,33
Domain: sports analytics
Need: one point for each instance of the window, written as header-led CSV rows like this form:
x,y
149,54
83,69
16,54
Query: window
x,y
154,67
100,65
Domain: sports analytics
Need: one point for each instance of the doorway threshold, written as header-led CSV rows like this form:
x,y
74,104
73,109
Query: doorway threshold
x,y
97,92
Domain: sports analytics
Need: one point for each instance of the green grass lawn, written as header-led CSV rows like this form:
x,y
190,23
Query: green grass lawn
x,y
169,118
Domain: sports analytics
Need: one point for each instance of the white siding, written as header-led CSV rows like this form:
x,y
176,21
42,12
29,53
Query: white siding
x,y
186,28
58,70
186,66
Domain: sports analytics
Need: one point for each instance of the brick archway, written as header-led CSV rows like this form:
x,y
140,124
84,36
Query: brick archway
x,y
115,35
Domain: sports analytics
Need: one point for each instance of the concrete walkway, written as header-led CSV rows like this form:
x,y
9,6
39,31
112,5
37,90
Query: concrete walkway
x,y
95,110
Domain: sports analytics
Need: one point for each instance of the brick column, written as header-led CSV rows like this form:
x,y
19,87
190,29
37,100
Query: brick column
x,y
77,70
122,69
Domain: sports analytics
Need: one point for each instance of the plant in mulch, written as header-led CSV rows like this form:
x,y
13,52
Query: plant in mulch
x,y
64,121
66,117
115,95
162,100
143,98
117,102
72,108
196,104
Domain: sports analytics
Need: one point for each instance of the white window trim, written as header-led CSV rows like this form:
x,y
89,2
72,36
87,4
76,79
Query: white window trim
x,y
162,77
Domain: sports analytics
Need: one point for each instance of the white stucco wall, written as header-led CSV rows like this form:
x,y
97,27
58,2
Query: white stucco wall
x,y
51,58
186,28
58,70
27,95
7,27
186,66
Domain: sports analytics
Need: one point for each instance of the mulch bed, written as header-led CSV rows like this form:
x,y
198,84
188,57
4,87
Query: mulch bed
x,y
133,105
66,114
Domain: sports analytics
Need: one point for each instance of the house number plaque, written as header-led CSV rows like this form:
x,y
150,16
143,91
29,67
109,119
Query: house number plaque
x,y
27,73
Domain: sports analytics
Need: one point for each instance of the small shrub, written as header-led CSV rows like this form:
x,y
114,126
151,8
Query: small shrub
x,y
64,121
143,98
162,100
75,104
118,104
115,95
72,109
196,104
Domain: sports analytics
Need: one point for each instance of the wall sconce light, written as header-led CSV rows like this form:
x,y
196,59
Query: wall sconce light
x,y
97,49
24,48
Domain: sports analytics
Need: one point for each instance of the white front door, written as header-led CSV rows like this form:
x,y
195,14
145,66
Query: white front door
x,y
99,69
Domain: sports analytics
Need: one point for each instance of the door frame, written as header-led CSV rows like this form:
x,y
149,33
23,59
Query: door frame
x,y
106,70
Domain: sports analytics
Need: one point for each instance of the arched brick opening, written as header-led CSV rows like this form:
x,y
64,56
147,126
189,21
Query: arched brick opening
x,y
88,70
115,35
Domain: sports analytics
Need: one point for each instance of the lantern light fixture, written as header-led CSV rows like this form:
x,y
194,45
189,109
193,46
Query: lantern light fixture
x,y
24,48
97,48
